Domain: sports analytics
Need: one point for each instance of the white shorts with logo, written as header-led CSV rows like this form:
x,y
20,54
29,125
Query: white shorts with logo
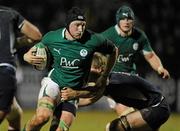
x,y
49,88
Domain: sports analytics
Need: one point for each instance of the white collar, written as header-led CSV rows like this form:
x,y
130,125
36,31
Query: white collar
x,y
63,33
117,29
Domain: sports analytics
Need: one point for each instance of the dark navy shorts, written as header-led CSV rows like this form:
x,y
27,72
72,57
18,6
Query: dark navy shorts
x,y
65,106
8,87
156,115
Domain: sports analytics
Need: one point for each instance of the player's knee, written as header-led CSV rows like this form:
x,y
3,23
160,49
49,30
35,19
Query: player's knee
x,y
165,111
119,124
42,118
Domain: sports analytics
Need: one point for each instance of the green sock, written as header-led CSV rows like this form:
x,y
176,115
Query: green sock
x,y
24,128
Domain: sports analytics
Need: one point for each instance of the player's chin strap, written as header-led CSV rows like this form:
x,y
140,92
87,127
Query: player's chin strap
x,y
67,29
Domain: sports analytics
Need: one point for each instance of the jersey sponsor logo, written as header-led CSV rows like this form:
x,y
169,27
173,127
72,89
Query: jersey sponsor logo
x,y
135,46
57,50
83,52
122,58
69,64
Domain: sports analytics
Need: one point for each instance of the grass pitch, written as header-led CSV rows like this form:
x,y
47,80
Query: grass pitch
x,y
96,121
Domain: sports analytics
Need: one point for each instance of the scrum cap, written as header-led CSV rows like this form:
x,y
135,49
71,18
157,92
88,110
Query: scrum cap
x,y
124,12
73,14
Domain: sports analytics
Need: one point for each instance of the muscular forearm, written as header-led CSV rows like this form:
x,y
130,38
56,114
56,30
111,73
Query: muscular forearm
x,y
92,99
68,93
83,94
31,31
156,64
154,61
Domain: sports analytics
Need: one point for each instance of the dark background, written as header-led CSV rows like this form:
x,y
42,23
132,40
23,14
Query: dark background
x,y
160,19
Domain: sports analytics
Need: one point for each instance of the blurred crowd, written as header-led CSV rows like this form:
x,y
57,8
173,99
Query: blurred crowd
x,y
160,20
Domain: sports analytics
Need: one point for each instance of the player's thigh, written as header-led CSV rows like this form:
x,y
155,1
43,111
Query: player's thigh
x,y
137,123
156,115
49,89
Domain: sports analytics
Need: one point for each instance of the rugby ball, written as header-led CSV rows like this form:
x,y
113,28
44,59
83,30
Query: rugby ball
x,y
42,52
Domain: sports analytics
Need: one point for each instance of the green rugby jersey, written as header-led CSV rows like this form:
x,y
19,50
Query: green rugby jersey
x,y
128,47
72,59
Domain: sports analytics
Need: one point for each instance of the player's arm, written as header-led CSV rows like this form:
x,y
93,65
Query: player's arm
x,y
156,64
31,34
86,97
68,94
31,31
90,100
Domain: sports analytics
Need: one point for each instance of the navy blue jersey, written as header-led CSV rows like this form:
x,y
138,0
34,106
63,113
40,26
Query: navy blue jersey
x,y
12,21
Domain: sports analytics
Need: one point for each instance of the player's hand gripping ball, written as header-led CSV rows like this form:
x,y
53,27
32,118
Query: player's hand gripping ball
x,y
42,52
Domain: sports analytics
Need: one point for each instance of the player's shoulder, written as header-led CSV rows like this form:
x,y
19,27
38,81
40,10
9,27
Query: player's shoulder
x,y
138,33
53,32
99,37
9,12
111,28
109,32
91,35
51,35
4,8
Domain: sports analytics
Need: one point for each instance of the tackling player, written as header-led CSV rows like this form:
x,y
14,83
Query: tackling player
x,y
11,22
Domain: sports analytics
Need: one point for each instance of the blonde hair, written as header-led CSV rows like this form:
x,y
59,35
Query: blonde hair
x,y
99,61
